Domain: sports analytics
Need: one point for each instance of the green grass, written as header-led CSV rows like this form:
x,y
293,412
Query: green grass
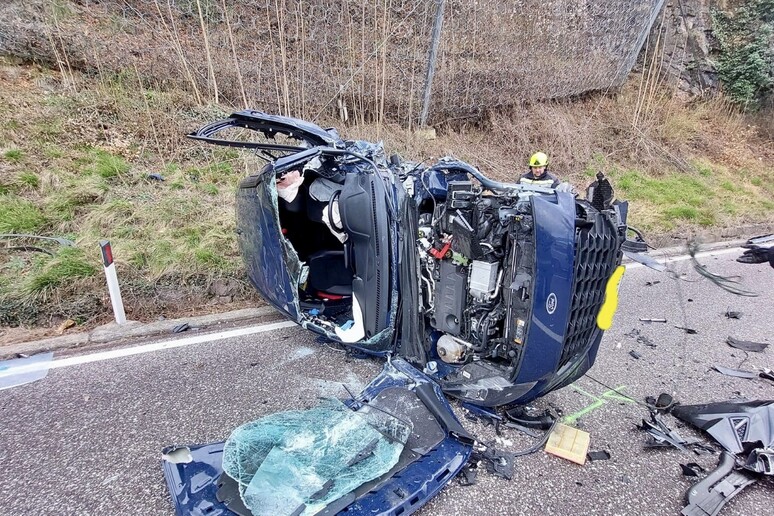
x,y
13,155
106,165
28,179
18,215
49,273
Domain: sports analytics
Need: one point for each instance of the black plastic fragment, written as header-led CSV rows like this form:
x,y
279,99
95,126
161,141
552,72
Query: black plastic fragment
x,y
156,177
497,462
468,475
733,315
746,345
523,429
634,354
691,469
689,331
707,497
181,328
426,393
737,373
521,416
598,455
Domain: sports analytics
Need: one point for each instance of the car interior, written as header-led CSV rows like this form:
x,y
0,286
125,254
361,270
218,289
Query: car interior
x,y
347,281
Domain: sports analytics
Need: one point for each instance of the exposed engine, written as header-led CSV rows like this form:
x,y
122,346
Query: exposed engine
x,y
475,252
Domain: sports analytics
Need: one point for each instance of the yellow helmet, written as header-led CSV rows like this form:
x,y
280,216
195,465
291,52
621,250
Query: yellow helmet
x,y
539,159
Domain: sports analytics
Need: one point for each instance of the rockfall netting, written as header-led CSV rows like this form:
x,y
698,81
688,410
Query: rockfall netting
x,y
298,462
356,60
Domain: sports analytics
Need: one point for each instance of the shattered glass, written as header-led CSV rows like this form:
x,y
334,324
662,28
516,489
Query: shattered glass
x,y
298,462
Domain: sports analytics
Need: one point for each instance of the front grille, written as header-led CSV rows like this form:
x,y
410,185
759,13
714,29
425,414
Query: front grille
x,y
596,255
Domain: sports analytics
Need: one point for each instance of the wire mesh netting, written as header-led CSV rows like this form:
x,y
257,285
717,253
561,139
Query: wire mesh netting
x,y
363,60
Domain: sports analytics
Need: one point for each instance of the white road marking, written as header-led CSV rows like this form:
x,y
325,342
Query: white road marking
x,y
147,348
683,257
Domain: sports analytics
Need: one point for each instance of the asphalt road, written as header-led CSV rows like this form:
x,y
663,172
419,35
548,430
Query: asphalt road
x,y
87,439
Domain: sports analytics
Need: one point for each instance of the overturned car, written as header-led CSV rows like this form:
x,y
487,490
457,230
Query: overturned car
x,y
494,293
498,292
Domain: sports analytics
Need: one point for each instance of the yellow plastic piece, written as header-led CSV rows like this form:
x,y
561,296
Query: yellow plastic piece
x,y
606,313
569,443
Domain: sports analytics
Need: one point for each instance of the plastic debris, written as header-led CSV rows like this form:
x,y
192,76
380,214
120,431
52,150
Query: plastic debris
x,y
733,315
598,455
689,331
663,403
645,320
569,443
746,345
181,328
634,354
20,371
691,469
156,177
738,373
497,462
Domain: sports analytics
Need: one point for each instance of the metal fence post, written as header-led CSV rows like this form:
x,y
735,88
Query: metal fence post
x,y
434,42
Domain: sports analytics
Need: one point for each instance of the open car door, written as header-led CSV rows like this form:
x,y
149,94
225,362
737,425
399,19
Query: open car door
x,y
434,451
287,247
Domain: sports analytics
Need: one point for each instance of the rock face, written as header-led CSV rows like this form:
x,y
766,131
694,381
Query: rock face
x,y
683,37
682,45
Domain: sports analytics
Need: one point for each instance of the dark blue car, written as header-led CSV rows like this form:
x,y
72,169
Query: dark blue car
x,y
493,293
498,292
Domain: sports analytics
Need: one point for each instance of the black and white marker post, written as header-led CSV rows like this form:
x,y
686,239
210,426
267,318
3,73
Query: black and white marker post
x,y
112,281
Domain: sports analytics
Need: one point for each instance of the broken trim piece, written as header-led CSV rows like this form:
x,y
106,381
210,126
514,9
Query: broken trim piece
x,y
707,497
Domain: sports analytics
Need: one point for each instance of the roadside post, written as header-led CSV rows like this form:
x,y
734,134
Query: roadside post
x,y
112,281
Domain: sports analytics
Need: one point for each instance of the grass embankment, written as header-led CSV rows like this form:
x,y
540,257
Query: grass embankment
x,y
76,162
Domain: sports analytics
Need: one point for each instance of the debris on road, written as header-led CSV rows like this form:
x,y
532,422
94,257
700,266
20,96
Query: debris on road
x,y
661,436
645,320
767,374
497,462
569,443
598,455
523,417
689,331
663,403
691,469
738,373
743,428
641,339
746,345
733,314
634,354
20,371
708,496
180,328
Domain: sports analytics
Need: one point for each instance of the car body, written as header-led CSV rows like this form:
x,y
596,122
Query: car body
x,y
493,293
495,290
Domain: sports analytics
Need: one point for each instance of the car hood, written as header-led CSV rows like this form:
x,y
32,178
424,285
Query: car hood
x,y
434,453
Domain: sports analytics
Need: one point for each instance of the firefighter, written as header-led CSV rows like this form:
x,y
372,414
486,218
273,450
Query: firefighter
x,y
538,174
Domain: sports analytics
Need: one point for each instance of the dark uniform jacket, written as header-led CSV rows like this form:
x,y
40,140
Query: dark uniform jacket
x,y
547,180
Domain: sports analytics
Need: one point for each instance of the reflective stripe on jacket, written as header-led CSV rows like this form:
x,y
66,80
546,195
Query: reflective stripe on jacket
x,y
547,180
